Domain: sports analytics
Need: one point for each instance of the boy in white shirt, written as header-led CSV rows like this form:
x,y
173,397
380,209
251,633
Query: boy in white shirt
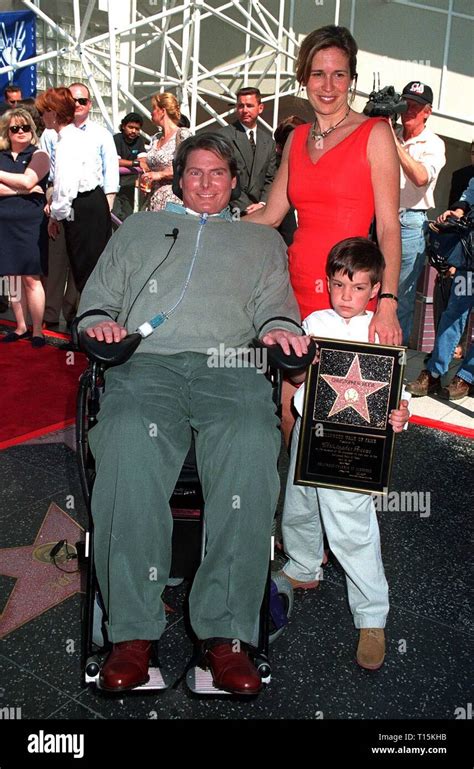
x,y
354,272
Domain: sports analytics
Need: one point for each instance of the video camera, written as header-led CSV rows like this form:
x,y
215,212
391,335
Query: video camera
x,y
385,102
451,243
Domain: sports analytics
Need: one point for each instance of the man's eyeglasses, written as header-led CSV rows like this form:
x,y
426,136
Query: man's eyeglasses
x,y
14,129
82,101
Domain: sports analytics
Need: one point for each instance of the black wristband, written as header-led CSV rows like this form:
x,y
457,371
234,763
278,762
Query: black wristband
x,y
388,296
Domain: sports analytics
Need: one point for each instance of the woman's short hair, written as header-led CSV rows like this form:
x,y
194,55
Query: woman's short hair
x,y
353,255
213,142
59,100
168,102
325,37
21,116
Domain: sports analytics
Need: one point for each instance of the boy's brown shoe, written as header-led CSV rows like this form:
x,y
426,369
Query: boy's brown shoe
x,y
458,388
371,648
424,385
297,585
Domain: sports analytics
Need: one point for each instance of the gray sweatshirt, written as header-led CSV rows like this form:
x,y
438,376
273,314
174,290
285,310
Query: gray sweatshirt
x,y
239,285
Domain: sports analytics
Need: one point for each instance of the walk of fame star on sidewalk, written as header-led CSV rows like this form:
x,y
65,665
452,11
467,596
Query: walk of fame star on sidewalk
x,y
352,390
39,585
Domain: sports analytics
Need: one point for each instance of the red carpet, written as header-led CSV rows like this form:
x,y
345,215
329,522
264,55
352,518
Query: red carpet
x,y
37,390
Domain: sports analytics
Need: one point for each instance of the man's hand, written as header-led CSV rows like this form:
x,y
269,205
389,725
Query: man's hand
x,y
107,331
457,213
110,199
53,228
254,207
287,341
399,417
385,324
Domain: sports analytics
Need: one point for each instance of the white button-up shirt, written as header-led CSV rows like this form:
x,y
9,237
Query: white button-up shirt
x,y
75,170
105,154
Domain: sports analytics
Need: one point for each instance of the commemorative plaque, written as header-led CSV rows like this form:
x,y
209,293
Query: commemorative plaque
x,y
346,441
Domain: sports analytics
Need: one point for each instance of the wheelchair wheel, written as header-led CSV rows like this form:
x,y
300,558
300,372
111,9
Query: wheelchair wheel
x,y
281,605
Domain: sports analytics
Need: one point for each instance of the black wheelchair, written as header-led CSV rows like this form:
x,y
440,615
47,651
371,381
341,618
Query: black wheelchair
x,y
189,527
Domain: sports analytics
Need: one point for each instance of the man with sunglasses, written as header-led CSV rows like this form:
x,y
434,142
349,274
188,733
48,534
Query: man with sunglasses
x,y
101,138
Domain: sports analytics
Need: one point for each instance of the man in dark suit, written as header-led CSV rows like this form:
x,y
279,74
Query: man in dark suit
x,y
254,150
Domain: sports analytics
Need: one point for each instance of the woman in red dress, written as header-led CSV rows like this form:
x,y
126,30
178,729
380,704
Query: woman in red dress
x,y
338,172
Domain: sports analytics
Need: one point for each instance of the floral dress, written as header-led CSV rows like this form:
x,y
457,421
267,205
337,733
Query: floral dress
x,y
157,160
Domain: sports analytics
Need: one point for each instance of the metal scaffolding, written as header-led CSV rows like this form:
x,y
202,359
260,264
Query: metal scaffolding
x,y
171,38
204,50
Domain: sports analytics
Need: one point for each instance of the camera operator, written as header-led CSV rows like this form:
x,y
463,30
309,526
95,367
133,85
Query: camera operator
x,y
461,206
422,156
453,321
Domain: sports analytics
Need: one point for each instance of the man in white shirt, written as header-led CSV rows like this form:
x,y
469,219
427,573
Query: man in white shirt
x,y
422,156
102,139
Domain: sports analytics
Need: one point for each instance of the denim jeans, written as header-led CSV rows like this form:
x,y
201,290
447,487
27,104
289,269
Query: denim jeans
x,y
451,327
413,231
466,371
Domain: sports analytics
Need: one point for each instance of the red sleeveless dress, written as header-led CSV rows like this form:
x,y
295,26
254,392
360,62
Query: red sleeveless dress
x,y
334,200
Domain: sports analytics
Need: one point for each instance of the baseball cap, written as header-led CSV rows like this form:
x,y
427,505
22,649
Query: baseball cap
x,y
418,92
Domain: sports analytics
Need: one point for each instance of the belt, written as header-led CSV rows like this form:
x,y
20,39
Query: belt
x,y
88,192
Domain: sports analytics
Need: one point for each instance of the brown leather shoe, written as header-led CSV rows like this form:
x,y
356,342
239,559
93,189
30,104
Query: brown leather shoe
x,y
231,668
371,648
126,666
424,385
458,388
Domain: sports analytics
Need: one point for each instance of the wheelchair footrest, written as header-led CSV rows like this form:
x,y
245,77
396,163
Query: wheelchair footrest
x,y
156,680
199,681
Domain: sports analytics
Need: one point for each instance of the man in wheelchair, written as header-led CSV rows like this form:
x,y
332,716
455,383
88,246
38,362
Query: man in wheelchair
x,y
215,283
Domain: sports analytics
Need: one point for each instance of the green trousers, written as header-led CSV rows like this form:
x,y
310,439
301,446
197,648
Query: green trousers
x,y
151,407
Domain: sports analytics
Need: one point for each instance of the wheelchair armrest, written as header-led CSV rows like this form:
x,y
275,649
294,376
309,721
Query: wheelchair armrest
x,y
108,354
292,362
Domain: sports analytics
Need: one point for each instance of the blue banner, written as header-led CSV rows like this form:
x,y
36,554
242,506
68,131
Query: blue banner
x,y
18,43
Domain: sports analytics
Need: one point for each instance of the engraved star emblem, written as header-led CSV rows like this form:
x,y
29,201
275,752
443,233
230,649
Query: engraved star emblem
x,y
352,390
39,584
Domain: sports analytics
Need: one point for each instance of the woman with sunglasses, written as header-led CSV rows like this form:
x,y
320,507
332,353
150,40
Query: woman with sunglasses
x,y
78,199
23,228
